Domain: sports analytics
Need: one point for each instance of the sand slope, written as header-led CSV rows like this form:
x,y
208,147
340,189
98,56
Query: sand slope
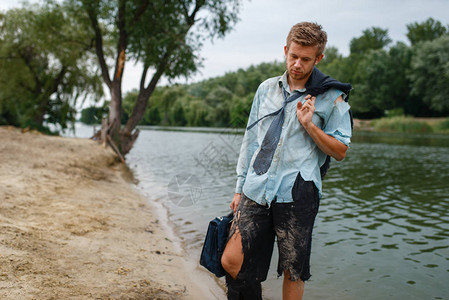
x,y
72,227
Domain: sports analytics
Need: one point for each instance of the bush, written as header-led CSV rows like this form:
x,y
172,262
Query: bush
x,y
402,124
444,125
396,112
93,115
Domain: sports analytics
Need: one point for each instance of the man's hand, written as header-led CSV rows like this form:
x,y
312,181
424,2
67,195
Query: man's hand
x,y
328,144
235,201
304,112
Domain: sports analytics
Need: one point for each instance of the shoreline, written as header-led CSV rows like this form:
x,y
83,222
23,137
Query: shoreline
x,y
73,225
210,286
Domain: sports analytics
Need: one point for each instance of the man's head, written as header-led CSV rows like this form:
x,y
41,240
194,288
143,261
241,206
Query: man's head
x,y
308,34
304,50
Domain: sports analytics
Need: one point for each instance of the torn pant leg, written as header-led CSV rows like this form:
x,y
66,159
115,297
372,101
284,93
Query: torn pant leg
x,y
293,223
255,224
241,290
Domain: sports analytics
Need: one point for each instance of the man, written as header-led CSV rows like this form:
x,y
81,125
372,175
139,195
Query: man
x,y
290,134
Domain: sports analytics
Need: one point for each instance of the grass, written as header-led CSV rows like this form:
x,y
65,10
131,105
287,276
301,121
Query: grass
x,y
409,125
402,124
443,126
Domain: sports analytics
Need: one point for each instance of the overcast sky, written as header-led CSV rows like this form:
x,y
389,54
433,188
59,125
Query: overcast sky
x,y
260,34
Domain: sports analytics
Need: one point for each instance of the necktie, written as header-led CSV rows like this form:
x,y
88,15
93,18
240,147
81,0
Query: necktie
x,y
271,139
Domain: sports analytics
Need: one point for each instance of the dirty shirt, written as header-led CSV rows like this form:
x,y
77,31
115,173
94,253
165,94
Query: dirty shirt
x,y
296,151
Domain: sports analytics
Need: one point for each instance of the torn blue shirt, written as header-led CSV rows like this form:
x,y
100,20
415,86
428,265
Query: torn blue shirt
x,y
296,151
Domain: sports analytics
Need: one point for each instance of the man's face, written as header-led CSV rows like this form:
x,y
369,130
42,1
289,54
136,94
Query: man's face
x,y
300,60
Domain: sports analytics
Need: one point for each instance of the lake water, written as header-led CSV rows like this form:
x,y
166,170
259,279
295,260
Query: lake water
x,y
382,231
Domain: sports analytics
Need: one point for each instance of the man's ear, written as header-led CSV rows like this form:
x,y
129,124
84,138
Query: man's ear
x,y
319,58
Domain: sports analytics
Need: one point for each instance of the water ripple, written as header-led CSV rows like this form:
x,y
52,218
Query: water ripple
x,y
383,219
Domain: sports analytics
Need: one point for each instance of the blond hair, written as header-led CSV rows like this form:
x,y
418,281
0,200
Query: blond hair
x,y
308,34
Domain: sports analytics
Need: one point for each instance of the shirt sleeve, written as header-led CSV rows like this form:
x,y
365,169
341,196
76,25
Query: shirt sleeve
x,y
249,144
338,124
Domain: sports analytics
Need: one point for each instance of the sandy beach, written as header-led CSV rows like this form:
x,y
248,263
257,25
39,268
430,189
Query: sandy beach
x,y
73,227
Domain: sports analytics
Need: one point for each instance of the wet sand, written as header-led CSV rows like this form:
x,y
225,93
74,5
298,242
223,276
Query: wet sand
x,y
73,227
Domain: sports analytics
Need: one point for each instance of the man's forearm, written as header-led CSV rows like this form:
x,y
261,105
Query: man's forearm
x,y
328,144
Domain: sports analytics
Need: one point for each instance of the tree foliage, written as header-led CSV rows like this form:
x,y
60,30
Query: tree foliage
x,y
94,115
163,35
219,102
386,81
426,31
429,73
45,66
53,56
374,38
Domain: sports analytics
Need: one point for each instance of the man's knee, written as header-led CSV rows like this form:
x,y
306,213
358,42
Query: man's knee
x,y
226,261
232,262
232,258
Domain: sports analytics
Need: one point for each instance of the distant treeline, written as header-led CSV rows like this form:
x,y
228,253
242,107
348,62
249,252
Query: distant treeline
x,y
214,102
388,80
49,67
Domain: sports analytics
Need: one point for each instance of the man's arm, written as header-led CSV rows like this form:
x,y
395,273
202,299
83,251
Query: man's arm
x,y
235,201
249,146
328,144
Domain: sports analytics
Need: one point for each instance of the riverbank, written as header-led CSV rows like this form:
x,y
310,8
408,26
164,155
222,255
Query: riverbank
x,y
398,124
402,124
72,226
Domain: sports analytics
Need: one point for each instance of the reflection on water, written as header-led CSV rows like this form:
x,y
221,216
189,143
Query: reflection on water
x,y
401,138
384,222
383,227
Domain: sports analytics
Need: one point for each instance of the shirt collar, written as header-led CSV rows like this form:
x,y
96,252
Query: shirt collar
x,y
283,83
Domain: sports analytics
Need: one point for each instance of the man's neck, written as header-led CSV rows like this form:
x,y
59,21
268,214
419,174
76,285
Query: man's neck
x,y
297,84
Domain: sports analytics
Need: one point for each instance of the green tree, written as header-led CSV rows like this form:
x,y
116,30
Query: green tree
x,y
331,54
425,31
153,117
178,117
361,70
429,73
372,39
153,114
399,95
367,99
168,99
129,100
240,109
94,114
337,66
382,84
196,113
163,35
46,66
219,99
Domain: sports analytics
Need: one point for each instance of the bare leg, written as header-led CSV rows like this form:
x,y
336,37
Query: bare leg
x,y
232,258
292,290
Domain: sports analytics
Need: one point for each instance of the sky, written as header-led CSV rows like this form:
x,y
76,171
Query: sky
x,y
260,34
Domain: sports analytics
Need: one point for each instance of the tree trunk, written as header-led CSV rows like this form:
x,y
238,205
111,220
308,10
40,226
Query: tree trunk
x,y
122,138
125,138
129,133
138,112
115,107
